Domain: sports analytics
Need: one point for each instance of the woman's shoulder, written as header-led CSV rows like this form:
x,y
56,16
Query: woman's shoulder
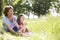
x,y
14,16
4,18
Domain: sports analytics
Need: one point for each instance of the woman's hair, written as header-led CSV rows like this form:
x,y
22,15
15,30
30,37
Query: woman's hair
x,y
6,10
18,18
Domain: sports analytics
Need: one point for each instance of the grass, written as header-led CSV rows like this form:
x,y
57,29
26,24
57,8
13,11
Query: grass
x,y
44,29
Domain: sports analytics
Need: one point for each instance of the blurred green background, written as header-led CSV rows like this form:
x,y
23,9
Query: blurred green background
x,y
42,18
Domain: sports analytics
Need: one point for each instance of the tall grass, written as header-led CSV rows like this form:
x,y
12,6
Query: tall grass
x,y
47,28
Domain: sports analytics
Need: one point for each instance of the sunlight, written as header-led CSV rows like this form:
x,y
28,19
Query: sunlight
x,y
43,35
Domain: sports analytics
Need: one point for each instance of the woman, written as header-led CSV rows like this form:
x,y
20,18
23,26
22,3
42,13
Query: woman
x,y
9,21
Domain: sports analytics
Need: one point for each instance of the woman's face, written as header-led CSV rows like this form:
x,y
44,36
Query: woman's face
x,y
22,19
10,13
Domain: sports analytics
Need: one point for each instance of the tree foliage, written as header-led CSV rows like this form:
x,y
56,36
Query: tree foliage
x,y
0,7
41,7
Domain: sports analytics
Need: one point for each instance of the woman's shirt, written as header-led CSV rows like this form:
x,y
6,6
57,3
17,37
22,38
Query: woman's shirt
x,y
6,20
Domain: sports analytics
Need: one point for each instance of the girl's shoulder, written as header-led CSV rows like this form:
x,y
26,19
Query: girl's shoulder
x,y
20,26
24,23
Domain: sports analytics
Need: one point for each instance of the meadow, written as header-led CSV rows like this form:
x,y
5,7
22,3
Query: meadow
x,y
45,28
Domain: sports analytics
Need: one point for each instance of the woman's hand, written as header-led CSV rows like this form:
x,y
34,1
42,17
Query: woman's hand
x,y
15,24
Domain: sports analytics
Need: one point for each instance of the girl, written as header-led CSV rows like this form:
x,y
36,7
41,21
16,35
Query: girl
x,y
22,25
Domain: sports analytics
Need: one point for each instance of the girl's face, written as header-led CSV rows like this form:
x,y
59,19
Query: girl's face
x,y
22,19
10,13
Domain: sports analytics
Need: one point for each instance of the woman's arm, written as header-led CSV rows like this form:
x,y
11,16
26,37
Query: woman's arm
x,y
8,27
15,21
16,24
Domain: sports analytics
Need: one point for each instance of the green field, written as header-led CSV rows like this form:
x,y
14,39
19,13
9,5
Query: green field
x,y
47,28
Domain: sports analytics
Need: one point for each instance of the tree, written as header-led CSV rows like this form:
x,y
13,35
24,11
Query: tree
x,y
40,7
1,6
21,7
16,5
28,8
9,2
18,8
